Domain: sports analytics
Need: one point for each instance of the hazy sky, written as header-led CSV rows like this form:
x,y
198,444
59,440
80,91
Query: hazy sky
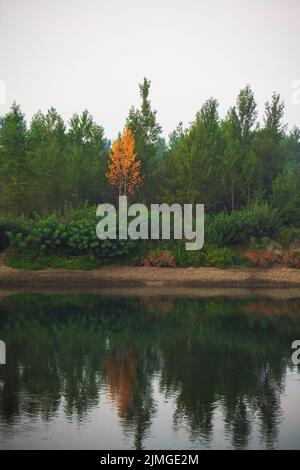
x,y
76,54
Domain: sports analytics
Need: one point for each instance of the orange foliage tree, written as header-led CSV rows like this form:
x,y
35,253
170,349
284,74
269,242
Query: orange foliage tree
x,y
124,171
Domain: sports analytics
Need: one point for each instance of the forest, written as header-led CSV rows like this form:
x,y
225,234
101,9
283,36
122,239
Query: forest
x,y
246,173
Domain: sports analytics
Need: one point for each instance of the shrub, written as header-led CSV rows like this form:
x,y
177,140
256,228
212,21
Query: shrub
x,y
264,243
11,224
225,229
292,258
290,237
263,220
286,195
220,257
185,257
52,236
262,258
159,259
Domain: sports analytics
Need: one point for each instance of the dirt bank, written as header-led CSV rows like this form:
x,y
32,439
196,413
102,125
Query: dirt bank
x,y
123,276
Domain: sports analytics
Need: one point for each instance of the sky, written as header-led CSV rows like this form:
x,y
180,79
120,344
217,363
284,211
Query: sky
x,y
75,54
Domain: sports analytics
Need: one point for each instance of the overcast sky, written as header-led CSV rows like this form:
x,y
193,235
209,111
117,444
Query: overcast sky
x,y
77,54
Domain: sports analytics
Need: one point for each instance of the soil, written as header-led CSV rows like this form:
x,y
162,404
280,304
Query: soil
x,y
129,277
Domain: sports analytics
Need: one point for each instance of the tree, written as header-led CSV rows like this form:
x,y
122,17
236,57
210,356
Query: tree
x,y
240,168
251,176
193,161
13,164
246,113
274,112
268,143
231,171
124,171
143,123
224,163
286,195
291,146
87,159
47,159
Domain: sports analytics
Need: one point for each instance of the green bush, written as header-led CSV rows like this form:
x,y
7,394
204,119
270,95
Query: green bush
x,y
221,229
286,196
9,223
52,236
212,256
289,236
263,220
184,258
226,229
264,243
220,257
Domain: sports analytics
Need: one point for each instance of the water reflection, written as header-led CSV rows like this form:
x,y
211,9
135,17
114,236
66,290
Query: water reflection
x,y
204,372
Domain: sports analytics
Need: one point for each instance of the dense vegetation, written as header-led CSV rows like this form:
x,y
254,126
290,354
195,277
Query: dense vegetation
x,y
53,174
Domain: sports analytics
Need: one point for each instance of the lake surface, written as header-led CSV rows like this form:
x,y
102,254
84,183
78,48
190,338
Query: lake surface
x,y
87,371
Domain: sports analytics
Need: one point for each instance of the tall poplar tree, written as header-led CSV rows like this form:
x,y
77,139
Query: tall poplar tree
x,y
146,130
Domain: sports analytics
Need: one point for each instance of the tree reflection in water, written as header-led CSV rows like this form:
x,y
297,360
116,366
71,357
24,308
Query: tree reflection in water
x,y
70,351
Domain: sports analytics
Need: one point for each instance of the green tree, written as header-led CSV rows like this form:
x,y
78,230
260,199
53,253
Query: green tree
x,y
268,143
13,164
251,176
87,159
246,114
239,160
194,159
286,195
231,167
48,162
143,123
291,146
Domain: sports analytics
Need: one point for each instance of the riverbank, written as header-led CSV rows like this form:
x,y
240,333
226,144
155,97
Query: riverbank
x,y
128,276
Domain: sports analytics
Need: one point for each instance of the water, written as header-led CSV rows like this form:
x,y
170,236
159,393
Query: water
x,y
87,371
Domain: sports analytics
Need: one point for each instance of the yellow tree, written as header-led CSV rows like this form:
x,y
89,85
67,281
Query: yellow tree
x,y
124,171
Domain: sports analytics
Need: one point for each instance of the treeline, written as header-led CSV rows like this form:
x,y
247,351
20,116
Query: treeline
x,y
224,163
45,166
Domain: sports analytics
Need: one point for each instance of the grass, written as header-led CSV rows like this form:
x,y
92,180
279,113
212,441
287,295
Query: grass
x,y
37,262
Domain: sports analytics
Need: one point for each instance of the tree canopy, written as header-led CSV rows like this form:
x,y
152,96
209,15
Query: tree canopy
x,y
225,163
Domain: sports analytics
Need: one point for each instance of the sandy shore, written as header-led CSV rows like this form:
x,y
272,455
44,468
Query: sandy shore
x,y
152,278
